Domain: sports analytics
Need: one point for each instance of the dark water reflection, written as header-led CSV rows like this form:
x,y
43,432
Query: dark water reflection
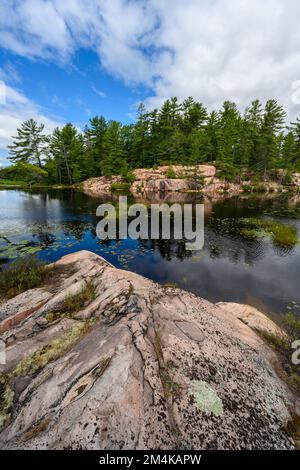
x,y
230,267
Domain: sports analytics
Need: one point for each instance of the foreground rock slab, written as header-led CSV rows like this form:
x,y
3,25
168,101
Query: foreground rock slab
x,y
140,366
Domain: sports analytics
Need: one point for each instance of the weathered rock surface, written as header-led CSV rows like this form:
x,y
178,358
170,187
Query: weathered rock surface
x,y
216,186
251,316
144,174
296,179
151,181
161,185
100,186
140,366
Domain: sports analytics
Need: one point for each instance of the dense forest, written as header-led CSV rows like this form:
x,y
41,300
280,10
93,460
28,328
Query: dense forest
x,y
177,133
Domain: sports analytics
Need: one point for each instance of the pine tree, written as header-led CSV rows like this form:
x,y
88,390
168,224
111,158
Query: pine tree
x,y
229,133
251,134
30,144
66,147
94,148
141,144
177,133
273,121
114,162
295,154
212,132
169,121
194,115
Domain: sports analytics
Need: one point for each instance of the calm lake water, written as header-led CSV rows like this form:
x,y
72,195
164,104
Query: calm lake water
x,y
231,267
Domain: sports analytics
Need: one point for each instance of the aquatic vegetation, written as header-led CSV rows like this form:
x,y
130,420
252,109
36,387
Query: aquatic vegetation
x,y
21,275
206,398
281,234
10,250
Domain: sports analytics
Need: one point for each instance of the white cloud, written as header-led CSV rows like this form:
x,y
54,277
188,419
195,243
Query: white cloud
x,y
210,49
100,93
16,109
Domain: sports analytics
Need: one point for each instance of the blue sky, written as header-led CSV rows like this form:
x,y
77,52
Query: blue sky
x,y
69,60
72,93
77,91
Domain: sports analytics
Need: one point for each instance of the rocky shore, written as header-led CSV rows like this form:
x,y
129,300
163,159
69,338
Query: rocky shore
x,y
136,366
181,179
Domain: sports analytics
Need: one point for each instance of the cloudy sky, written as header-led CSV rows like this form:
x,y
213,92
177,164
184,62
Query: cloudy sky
x,y
72,59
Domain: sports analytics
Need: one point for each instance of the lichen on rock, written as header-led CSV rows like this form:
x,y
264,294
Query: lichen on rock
x,y
206,398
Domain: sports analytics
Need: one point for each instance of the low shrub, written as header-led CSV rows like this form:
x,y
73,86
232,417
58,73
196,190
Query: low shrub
x,y
120,186
74,303
21,275
171,173
227,172
283,345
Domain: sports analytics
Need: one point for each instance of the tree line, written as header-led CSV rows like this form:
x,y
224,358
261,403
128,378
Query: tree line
x,y
178,133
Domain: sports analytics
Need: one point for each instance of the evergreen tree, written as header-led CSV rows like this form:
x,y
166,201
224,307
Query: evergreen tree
x,y
94,147
229,133
212,132
114,162
194,115
169,120
272,124
294,157
66,147
30,144
141,144
177,133
251,134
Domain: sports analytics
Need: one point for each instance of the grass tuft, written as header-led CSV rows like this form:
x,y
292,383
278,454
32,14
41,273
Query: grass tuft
x,y
283,342
74,303
21,275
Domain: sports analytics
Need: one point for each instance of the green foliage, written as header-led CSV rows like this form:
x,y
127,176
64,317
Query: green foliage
x,y
129,177
120,186
30,144
7,182
177,133
283,341
227,171
66,163
24,173
74,303
171,173
21,275
281,234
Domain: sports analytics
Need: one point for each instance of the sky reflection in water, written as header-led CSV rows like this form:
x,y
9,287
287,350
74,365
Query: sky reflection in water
x,y
229,268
